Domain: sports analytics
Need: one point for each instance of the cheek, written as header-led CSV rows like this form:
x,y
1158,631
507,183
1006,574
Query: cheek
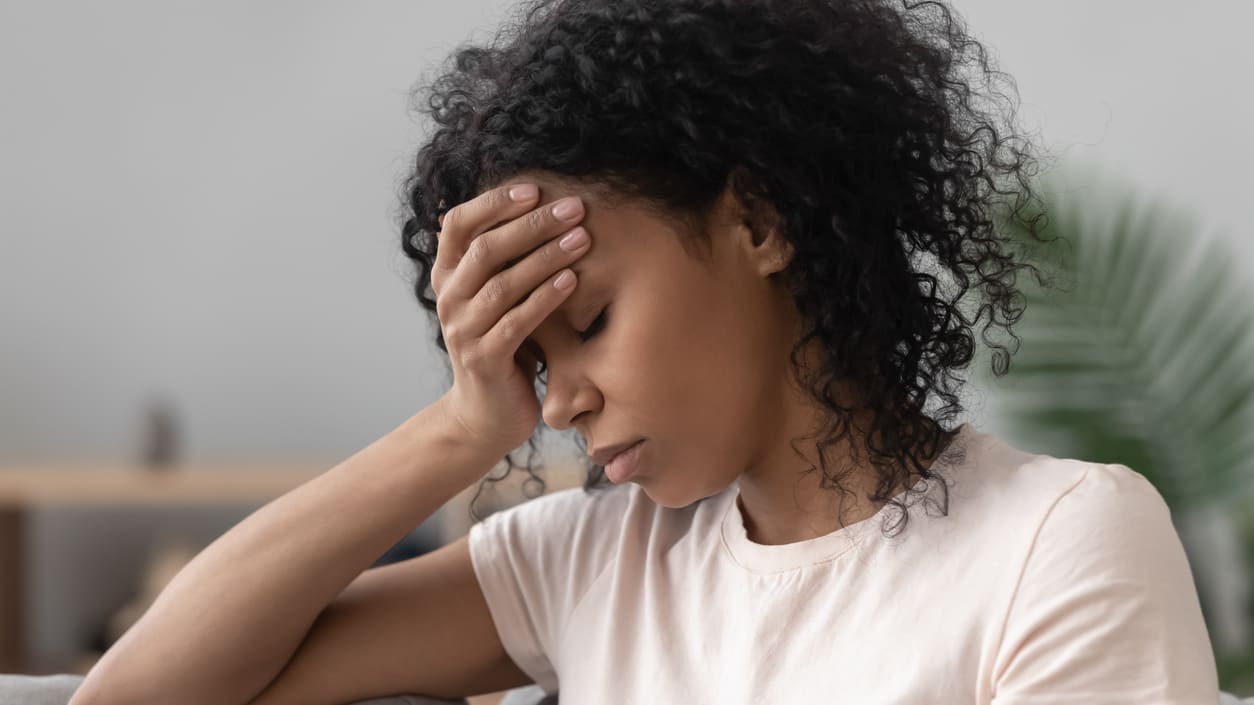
x,y
713,373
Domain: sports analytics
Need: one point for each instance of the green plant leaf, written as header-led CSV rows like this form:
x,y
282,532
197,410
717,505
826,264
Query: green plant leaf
x,y
1139,357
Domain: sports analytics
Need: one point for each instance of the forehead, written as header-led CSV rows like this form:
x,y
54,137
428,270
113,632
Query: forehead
x,y
604,207
606,217
621,228
621,231
595,196
601,218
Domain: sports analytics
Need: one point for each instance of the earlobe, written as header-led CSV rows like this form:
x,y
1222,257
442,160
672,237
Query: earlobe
x,y
778,253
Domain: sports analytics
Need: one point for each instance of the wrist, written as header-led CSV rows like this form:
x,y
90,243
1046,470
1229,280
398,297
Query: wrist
x,y
448,438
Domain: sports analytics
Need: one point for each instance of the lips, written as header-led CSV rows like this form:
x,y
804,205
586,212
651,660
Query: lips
x,y
602,456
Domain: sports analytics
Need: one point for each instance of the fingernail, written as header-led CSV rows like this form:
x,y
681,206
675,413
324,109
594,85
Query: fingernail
x,y
575,240
523,193
567,208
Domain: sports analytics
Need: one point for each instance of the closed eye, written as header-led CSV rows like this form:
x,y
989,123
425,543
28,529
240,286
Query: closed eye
x,y
596,327
584,336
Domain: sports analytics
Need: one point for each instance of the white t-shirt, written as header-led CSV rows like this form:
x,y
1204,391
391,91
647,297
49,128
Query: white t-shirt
x,y
1050,582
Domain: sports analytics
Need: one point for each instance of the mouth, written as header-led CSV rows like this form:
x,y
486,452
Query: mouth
x,y
625,465
603,456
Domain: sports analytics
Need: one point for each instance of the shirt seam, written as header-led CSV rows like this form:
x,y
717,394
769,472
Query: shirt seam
x,y
971,440
1023,567
854,542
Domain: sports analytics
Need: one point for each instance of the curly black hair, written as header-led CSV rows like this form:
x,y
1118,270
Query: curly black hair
x,y
847,123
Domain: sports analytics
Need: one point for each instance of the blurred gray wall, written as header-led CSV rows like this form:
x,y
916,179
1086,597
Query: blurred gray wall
x,y
196,201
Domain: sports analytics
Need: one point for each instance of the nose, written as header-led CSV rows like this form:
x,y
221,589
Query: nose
x,y
569,395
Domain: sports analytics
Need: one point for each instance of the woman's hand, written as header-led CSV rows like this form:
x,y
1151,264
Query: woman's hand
x,y
488,301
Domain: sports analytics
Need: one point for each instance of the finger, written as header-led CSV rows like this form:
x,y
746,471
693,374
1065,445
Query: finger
x,y
466,221
509,286
499,249
507,336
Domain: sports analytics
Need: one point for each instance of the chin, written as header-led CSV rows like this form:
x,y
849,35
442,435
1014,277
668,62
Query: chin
x,y
662,499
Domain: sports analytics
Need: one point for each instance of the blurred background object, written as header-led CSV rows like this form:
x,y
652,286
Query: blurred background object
x,y
199,198
161,439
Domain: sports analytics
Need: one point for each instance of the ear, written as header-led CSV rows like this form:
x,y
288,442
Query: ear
x,y
757,227
775,252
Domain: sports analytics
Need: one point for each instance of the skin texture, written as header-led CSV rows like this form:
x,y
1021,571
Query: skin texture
x,y
693,356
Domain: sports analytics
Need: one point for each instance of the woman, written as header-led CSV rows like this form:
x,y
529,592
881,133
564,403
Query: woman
x,y
753,315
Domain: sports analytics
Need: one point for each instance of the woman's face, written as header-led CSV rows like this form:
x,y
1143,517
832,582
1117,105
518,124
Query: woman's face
x,y
692,355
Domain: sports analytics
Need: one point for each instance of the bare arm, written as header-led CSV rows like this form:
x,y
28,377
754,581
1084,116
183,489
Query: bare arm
x,y
230,621
420,627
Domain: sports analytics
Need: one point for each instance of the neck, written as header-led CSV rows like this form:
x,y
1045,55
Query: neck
x,y
783,503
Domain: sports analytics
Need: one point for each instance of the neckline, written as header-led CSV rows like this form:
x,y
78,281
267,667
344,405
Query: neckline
x,y
766,558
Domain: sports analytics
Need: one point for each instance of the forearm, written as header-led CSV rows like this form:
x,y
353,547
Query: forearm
x,y
230,620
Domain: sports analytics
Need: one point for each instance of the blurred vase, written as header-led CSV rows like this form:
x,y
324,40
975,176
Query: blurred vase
x,y
160,439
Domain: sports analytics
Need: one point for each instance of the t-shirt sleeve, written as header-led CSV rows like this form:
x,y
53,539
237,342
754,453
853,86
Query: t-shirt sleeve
x,y
535,561
1106,611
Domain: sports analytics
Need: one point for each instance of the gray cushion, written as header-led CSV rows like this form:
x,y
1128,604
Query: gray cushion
x,y
38,690
528,695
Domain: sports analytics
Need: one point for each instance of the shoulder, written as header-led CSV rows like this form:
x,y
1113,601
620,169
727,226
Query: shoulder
x,y
1068,497
1110,493
1054,519
1034,491
1035,512
1106,597
1111,520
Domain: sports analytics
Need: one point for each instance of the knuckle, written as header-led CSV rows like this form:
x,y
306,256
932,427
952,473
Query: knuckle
x,y
452,218
452,333
479,251
509,324
552,254
540,219
442,302
501,200
494,290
